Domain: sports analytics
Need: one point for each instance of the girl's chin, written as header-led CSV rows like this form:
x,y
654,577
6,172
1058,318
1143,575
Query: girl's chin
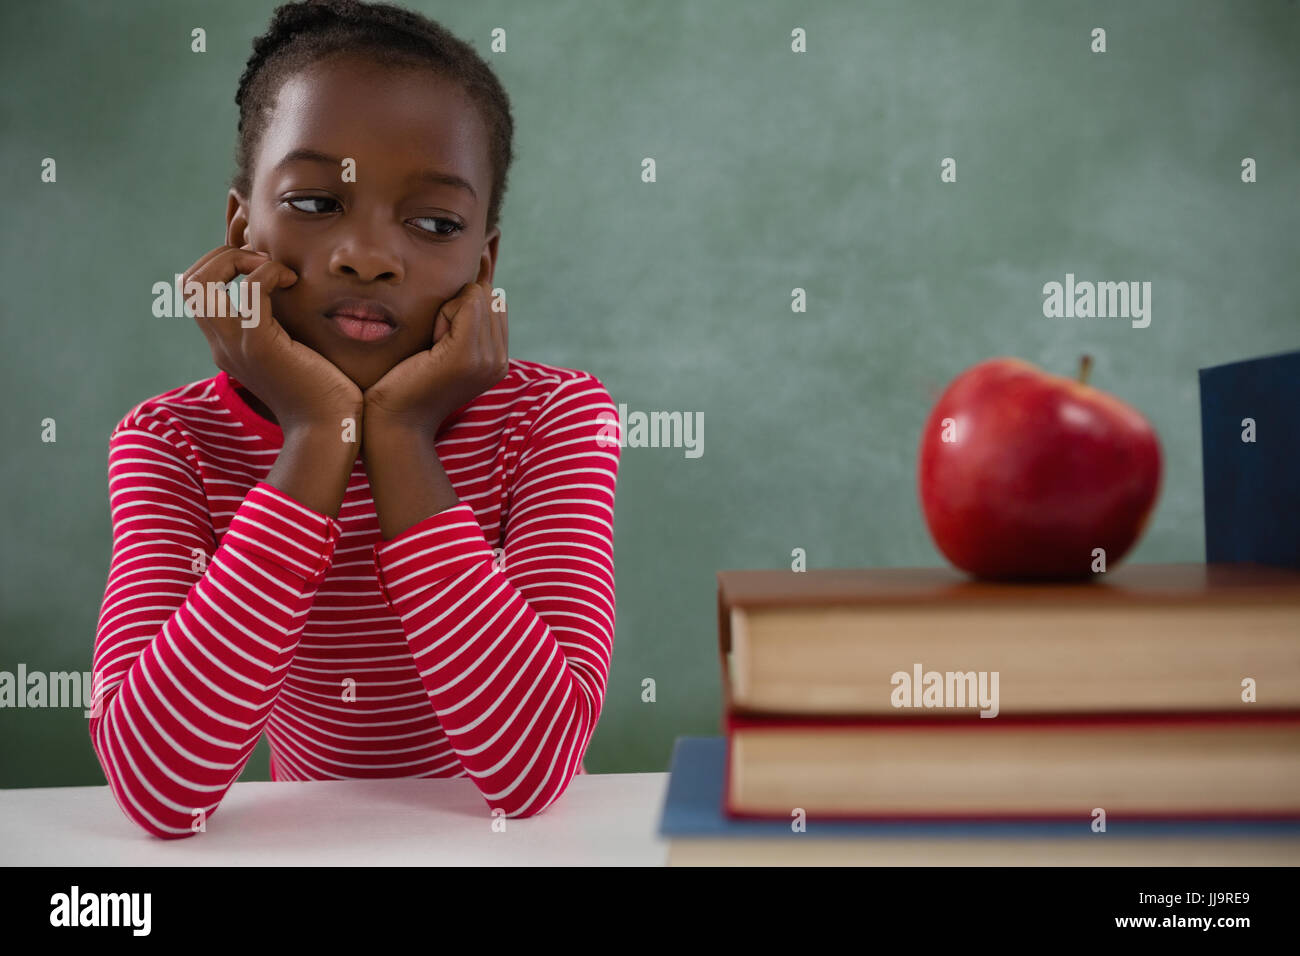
x,y
364,378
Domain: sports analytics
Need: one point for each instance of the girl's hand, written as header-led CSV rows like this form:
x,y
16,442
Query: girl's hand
x,y
469,356
300,386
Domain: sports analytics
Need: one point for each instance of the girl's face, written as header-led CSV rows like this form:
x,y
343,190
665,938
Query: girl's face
x,y
400,228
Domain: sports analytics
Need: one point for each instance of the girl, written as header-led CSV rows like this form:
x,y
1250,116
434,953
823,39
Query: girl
x,y
372,535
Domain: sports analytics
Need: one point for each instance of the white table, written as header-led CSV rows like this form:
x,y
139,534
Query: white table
x,y
600,820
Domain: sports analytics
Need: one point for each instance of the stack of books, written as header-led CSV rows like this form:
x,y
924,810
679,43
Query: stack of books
x,y
1149,715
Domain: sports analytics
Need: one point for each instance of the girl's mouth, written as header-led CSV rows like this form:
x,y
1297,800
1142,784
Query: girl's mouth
x,y
362,330
362,320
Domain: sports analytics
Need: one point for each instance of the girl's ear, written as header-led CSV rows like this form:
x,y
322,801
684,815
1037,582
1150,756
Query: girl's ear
x,y
487,263
237,231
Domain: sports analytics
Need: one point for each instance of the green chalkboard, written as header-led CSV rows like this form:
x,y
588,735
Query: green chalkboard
x,y
775,170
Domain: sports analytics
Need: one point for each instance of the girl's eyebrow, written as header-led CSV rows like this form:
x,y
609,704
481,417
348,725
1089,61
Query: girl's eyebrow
x,y
436,176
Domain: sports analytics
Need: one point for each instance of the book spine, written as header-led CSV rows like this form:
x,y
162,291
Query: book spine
x,y
1117,722
737,720
724,645
1113,819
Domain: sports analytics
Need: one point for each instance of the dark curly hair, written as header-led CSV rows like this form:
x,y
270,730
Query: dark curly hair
x,y
302,33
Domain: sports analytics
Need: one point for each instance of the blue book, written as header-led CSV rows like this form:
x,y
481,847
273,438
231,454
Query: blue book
x,y
693,810
1250,453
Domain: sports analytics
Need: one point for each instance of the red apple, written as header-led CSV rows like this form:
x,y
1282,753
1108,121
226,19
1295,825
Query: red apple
x,y
1024,474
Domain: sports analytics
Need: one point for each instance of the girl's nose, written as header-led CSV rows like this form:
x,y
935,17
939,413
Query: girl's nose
x,y
365,258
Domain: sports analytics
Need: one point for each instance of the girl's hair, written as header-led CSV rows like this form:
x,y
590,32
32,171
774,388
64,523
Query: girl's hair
x,y
302,33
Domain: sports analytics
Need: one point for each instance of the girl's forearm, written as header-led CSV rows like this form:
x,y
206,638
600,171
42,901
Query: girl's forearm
x,y
407,479
314,467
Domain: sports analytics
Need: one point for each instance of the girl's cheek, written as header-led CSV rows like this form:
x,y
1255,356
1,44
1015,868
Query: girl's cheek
x,y
283,310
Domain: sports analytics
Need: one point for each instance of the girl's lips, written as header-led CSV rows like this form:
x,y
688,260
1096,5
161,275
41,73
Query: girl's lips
x,y
362,329
362,320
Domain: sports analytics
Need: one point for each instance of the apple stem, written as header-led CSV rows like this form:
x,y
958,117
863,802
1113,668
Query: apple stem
x,y
1085,366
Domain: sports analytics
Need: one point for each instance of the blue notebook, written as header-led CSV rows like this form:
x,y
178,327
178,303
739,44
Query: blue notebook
x,y
1252,488
693,808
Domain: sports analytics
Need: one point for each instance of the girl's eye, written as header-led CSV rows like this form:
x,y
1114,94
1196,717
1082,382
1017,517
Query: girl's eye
x,y
308,200
317,205
455,227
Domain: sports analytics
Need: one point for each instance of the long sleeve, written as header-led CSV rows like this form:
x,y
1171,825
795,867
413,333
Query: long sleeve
x,y
193,640
515,654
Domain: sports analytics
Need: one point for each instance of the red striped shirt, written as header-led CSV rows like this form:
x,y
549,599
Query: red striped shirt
x,y
232,610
